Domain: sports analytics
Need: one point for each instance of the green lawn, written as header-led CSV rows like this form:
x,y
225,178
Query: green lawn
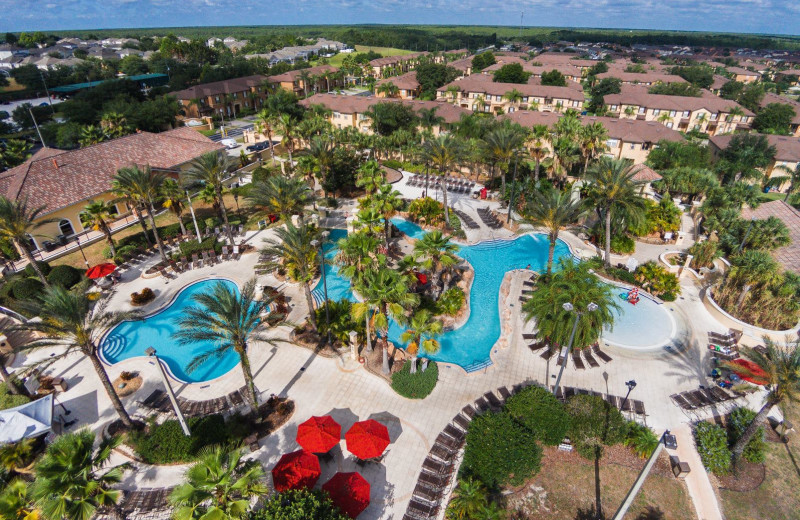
x,y
337,60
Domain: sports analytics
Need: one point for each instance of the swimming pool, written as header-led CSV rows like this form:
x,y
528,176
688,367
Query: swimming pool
x,y
131,338
644,326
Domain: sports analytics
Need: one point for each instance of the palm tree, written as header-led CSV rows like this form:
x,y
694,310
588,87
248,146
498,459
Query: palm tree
x,y
229,320
513,96
145,186
305,77
387,201
613,189
553,210
370,220
428,118
386,294
283,196
210,170
500,145
388,89
592,139
173,194
298,256
96,215
568,126
469,499
17,223
90,135
443,153
266,124
72,480
537,150
16,152
437,254
321,149
793,177
780,365
69,322
130,194
286,125
749,269
358,253
421,337
452,92
15,502
114,124
370,177
219,486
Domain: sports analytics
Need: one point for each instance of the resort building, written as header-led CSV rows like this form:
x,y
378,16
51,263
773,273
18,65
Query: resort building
x,y
709,114
646,78
463,65
319,78
226,98
407,86
63,181
395,65
769,98
791,75
787,154
743,75
480,94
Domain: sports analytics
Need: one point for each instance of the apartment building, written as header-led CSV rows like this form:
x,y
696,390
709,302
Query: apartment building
x,y
770,98
792,75
707,113
646,78
395,65
407,86
743,75
226,98
787,154
570,72
480,94
319,78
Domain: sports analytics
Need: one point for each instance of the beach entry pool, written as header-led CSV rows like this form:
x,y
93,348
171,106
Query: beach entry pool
x,y
644,326
131,339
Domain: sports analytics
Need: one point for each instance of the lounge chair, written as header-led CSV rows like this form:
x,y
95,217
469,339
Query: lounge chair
x,y
538,345
421,508
529,336
461,421
225,252
184,264
681,401
435,466
206,260
692,399
570,392
195,261
562,357
236,253
702,397
504,392
721,394
613,400
547,354
469,411
587,353
163,272
455,433
427,493
442,453
494,402
626,405
602,355
448,441
433,481
481,404
241,229
213,255
638,407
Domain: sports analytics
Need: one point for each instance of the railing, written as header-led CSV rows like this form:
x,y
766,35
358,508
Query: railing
x,y
13,314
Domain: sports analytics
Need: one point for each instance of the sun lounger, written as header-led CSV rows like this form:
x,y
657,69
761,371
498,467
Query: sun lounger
x,y
433,481
435,466
721,394
612,400
195,261
602,355
562,357
529,336
417,506
461,421
469,411
701,398
587,353
481,404
442,453
427,493
682,402
224,252
494,402
455,433
213,255
206,260
547,354
692,399
153,398
539,345
638,407
163,272
448,441
577,361
236,253
626,405
504,393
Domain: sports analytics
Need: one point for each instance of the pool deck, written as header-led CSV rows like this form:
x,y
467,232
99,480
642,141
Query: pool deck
x,y
343,388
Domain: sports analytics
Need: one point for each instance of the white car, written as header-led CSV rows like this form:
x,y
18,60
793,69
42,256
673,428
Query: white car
x,y
230,144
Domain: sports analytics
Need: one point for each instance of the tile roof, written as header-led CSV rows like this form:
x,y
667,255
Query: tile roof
x,y
292,75
646,77
644,173
407,81
787,148
739,71
463,64
788,256
228,86
360,104
769,97
59,178
483,84
639,96
392,60
719,82
626,130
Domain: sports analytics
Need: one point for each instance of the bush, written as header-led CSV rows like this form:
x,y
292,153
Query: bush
x,y
65,276
500,451
145,296
712,445
704,253
655,279
298,504
44,267
7,249
451,301
415,386
192,246
393,163
9,400
26,289
738,421
540,412
641,439
124,253
106,252
594,424
622,244
170,231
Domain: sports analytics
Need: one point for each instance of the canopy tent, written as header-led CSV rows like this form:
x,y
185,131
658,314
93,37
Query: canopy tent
x,y
26,421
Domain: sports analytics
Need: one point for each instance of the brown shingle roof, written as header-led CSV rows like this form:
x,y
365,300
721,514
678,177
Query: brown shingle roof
x,y
626,130
58,178
483,84
228,86
391,60
644,173
647,77
786,148
639,96
292,75
788,256
360,104
407,81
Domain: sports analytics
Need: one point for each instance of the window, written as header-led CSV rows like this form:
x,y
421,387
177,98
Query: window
x,y
235,95
685,113
474,108
216,99
510,109
525,99
656,111
642,110
745,119
613,107
612,143
633,146
672,114
498,98
714,117
65,226
670,124
337,114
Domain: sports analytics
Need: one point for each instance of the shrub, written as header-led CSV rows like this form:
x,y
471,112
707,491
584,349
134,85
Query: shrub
x,y
25,289
540,412
704,254
65,275
9,400
127,376
298,504
455,224
44,267
8,250
145,296
738,421
500,451
594,424
641,439
106,252
192,246
124,253
451,301
415,386
655,279
170,231
622,244
426,210
393,163
712,445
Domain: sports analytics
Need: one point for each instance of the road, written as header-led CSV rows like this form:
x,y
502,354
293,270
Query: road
x,y
233,133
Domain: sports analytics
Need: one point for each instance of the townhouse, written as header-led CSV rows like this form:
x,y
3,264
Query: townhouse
x,y
224,98
645,78
790,75
299,52
407,86
787,155
769,98
707,113
321,77
480,94
743,75
395,65
570,72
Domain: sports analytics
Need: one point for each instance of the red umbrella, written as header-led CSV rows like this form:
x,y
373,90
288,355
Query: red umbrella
x,y
299,469
756,376
100,271
319,434
350,493
367,439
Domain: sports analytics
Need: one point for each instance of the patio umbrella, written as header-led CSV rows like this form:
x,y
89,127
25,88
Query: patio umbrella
x,y
100,270
756,376
319,434
367,439
350,493
299,469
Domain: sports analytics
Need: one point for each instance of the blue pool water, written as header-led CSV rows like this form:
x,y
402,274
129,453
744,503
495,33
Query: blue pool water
x,y
644,325
409,228
131,338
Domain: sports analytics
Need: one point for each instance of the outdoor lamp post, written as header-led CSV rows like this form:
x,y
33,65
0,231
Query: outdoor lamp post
x,y
315,244
78,241
194,218
150,351
631,385
569,308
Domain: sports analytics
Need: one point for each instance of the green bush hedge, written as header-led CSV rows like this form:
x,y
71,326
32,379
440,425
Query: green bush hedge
x,y
738,421
450,301
415,386
712,445
594,424
192,246
393,163
26,289
298,504
500,451
44,267
65,275
540,411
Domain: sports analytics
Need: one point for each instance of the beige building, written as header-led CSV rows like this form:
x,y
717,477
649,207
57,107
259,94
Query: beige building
x,y
65,181
480,94
320,79
570,72
407,86
226,98
787,154
743,75
395,65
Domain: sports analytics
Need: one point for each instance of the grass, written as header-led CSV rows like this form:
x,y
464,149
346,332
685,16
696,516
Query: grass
x,y
337,60
12,86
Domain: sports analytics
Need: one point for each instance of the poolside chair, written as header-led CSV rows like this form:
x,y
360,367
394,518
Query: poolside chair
x,y
494,402
481,404
626,405
431,495
455,433
638,407
184,264
562,357
547,354
721,394
225,253
163,272
504,392
213,255
560,393
435,466
241,229
613,400
461,421
195,261
421,508
469,411
529,336
433,481
442,453
448,441
206,260
236,253
602,355
587,353
175,267
537,345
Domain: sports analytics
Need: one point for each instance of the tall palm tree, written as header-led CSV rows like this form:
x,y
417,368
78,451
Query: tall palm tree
x,y
69,322
386,295
443,153
130,195
283,196
286,125
266,126
513,96
72,480
97,215
145,186
173,194
358,253
592,139
568,125
452,92
500,145
565,153
219,486
538,137
210,169
321,149
305,77
16,502
781,366
298,256
553,210
229,319
793,177
435,252
17,223
749,269
387,201
370,177
388,89
421,335
429,119
613,189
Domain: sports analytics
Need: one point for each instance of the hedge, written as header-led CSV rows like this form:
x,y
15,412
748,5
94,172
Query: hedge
x,y
26,289
738,421
712,445
44,267
192,246
415,386
65,275
500,451
298,504
594,424
540,412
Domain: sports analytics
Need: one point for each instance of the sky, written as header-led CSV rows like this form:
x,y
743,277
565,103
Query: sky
x,y
755,16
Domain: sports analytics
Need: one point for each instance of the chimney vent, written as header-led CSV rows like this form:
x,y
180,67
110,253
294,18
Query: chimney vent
x,y
55,163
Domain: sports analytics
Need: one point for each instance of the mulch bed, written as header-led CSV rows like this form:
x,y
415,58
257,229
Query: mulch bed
x,y
272,415
131,385
747,477
117,428
311,340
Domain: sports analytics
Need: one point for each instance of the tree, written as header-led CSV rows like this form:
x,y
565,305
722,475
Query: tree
x,y
370,177
780,366
22,115
701,76
420,336
432,76
358,253
91,135
745,158
297,256
511,73
553,210
428,118
387,117
71,479
388,89
127,189
687,181
599,90
15,152
469,499
114,124
219,486
16,502
143,185
387,201
592,141
731,90
539,135
211,169
173,194
793,178
283,196
751,96
513,96
437,254
675,89
443,153
483,60
775,118
96,215
675,154
321,149
500,147
765,234
613,189
17,223
554,78
299,504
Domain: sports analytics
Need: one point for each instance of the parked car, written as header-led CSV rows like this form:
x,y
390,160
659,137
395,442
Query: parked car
x,y
257,147
229,143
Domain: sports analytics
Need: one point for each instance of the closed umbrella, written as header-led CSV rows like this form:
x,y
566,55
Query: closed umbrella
x,y
100,270
299,469
350,493
367,439
319,434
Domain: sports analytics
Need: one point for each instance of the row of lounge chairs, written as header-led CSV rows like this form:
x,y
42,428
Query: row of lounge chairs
x,y
704,396
449,183
159,400
489,218
468,221
588,354
142,501
630,406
